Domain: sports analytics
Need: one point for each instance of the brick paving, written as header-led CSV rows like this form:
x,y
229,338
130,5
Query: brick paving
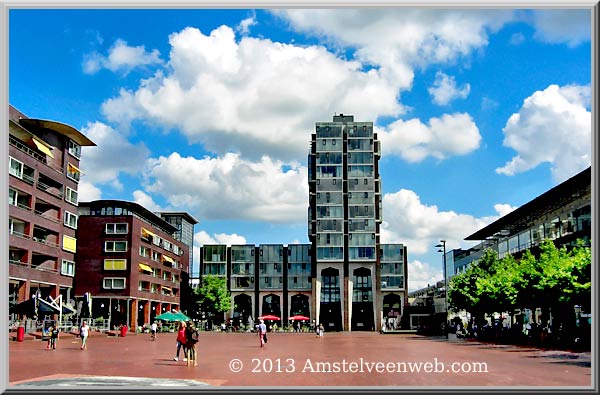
x,y
300,360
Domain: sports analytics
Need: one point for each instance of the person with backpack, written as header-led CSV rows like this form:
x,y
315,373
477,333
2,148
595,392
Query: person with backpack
x,y
191,338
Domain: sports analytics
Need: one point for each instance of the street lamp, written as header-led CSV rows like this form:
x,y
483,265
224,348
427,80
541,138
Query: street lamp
x,y
443,251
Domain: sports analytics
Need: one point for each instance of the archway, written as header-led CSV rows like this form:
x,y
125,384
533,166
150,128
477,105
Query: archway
x,y
242,309
392,311
362,301
331,306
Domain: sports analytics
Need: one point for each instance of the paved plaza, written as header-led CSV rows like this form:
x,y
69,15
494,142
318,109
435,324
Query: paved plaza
x,y
296,360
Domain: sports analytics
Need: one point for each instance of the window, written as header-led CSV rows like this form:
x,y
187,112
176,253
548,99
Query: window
x,y
115,264
67,268
70,220
115,246
74,149
145,251
15,168
71,196
113,283
120,228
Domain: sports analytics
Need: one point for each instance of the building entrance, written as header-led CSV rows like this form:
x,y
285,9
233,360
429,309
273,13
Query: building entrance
x,y
331,306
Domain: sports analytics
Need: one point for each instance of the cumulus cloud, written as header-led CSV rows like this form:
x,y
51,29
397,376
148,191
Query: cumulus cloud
x,y
422,274
121,57
113,155
410,222
146,201
201,238
399,39
420,227
553,126
254,97
87,192
452,134
229,187
557,26
444,89
244,26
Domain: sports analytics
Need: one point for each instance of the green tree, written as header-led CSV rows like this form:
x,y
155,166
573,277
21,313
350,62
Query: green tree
x,y
212,296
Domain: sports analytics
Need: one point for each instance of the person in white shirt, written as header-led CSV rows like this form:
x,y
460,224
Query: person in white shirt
x,y
153,329
84,332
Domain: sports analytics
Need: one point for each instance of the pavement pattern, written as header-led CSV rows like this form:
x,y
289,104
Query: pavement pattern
x,y
235,360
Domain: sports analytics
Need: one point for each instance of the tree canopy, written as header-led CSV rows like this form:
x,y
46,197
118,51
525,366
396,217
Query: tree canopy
x,y
559,278
212,296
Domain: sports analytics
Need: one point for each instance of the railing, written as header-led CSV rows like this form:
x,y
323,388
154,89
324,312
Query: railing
x,y
22,206
19,234
39,157
43,241
18,263
48,189
44,215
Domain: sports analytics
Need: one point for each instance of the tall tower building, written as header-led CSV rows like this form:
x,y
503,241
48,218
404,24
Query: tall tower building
x,y
352,269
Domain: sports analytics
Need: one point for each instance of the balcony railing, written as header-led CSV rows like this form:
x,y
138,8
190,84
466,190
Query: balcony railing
x,y
44,241
49,189
37,156
46,216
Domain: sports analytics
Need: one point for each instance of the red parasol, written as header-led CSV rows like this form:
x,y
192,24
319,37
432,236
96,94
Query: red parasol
x,y
270,317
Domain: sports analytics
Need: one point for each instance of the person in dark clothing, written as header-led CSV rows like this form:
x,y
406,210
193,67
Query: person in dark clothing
x,y
191,338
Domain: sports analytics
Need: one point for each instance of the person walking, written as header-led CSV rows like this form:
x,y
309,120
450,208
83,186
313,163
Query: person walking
x,y
153,329
321,330
191,338
84,332
262,332
181,338
53,333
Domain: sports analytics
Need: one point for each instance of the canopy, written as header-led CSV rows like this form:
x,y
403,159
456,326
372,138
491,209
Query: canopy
x,y
172,316
44,307
269,317
299,318
167,316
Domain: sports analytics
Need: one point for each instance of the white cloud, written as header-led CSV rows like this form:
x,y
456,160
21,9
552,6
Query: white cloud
x,y
398,39
444,89
229,187
553,126
557,26
121,57
146,201
452,134
254,97
422,274
419,226
202,238
244,26
87,192
112,155
503,209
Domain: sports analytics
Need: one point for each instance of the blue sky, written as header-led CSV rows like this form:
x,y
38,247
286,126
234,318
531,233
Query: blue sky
x,y
210,111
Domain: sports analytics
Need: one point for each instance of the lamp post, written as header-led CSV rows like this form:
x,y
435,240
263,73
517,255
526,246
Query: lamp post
x,y
443,251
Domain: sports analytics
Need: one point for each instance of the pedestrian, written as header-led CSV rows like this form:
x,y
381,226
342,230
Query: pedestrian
x,y
53,337
321,330
153,329
180,341
262,332
84,332
191,338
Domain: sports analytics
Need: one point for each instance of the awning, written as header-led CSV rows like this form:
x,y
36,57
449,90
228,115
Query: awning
x,y
69,243
146,268
167,289
42,147
146,232
72,166
168,259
